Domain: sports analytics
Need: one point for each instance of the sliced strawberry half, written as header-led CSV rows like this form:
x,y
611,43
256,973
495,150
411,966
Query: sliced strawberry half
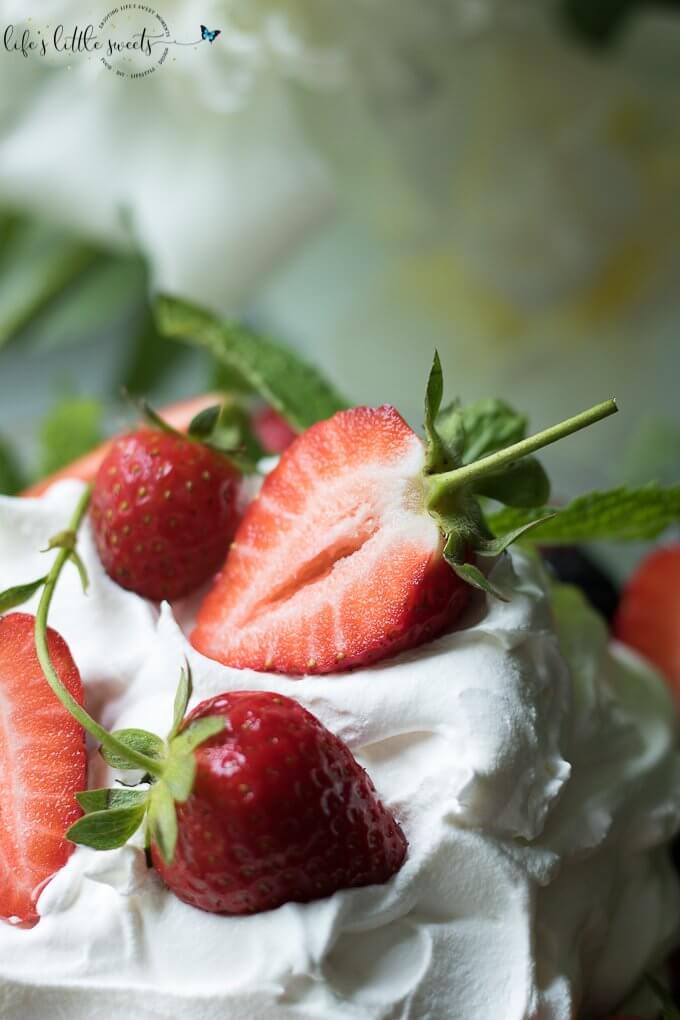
x,y
337,563
43,765
648,618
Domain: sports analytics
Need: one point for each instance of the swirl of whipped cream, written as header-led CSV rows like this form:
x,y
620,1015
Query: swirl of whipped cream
x,y
531,764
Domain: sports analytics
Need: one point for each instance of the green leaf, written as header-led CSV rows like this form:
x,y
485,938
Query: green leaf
x,y
234,432
150,359
107,830
102,799
285,380
451,429
179,774
473,575
197,733
205,421
495,546
182,696
105,295
490,425
73,427
11,476
163,821
523,484
37,262
12,597
139,740
437,456
616,515
151,416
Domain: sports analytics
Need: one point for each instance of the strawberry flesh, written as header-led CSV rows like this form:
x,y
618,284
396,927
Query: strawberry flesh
x,y
648,618
280,812
164,510
337,563
43,765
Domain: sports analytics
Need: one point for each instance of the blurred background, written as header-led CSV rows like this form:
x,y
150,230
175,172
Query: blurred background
x,y
365,181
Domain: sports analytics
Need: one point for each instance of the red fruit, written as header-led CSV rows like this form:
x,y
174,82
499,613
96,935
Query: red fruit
x,y
272,430
43,765
337,563
179,415
648,617
164,510
280,812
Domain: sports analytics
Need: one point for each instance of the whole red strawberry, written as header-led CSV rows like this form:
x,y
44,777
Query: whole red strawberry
x,y
164,510
280,812
43,764
648,617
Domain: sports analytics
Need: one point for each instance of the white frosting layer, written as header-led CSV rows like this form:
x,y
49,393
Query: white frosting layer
x,y
537,788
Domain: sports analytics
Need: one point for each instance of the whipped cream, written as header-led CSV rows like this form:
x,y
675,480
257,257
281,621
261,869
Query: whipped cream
x,y
531,764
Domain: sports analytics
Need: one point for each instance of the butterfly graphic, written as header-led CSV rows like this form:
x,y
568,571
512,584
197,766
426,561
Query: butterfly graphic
x,y
210,34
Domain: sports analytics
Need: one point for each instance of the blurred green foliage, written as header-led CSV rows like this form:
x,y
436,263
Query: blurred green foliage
x,y
599,22
71,428
11,476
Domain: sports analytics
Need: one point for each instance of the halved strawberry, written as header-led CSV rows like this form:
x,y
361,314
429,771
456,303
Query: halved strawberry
x,y
43,765
363,538
337,563
648,618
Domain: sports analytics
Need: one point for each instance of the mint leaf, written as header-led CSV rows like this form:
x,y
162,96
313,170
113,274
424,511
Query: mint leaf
x,y
150,359
139,740
451,430
13,597
523,484
285,380
618,515
163,821
107,830
102,799
37,262
73,427
11,475
490,425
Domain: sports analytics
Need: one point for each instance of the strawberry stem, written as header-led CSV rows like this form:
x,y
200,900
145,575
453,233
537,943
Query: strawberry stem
x,y
105,738
441,486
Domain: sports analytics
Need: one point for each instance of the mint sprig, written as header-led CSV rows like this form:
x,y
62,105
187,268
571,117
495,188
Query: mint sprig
x,y
287,382
616,515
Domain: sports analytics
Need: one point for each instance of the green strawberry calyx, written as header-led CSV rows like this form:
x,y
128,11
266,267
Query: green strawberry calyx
x,y
225,428
483,452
